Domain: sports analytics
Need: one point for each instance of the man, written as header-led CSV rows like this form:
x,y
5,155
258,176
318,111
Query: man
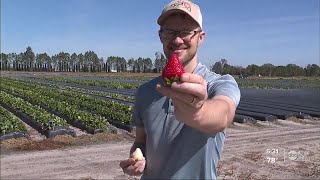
x,y
181,129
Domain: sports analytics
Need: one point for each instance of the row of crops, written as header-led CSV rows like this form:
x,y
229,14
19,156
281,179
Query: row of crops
x,y
48,109
279,104
126,83
108,84
53,105
9,123
278,84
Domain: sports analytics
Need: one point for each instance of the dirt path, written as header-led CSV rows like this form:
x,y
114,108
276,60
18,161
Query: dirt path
x,y
244,157
95,161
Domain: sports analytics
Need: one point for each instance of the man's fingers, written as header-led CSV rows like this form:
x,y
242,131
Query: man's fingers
x,y
139,166
163,90
180,104
140,169
184,88
184,92
192,78
191,86
194,89
187,98
132,167
126,163
129,170
139,163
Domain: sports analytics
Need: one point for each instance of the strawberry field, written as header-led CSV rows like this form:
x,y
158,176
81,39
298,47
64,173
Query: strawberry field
x,y
61,104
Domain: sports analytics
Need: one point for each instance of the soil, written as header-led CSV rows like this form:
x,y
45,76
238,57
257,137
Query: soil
x,y
248,153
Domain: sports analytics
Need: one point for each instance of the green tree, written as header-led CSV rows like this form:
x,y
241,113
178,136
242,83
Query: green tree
x,y
4,63
218,67
266,69
294,70
139,64
92,61
222,63
280,71
147,65
29,59
123,64
48,62
55,62
312,70
160,61
253,70
131,65
38,62
102,67
73,62
81,63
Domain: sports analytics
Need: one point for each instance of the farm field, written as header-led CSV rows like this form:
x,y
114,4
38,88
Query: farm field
x,y
245,155
91,113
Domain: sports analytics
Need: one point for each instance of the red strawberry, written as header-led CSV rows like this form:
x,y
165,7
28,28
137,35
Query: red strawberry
x,y
172,71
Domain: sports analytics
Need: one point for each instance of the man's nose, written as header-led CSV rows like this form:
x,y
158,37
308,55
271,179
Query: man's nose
x,y
177,40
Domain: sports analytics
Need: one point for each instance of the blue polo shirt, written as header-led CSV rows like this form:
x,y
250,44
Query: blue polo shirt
x,y
173,149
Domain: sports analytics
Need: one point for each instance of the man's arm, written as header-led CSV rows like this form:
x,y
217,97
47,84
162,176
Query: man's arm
x,y
195,109
140,141
215,115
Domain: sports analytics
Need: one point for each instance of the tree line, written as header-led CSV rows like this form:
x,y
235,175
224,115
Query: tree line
x,y
266,69
90,62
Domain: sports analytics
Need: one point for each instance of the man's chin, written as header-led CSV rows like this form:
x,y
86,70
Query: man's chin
x,y
181,56
180,52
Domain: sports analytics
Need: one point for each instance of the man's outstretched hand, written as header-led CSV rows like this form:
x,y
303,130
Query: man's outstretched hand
x,y
188,96
133,167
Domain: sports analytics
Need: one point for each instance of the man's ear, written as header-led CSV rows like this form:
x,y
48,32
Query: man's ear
x,y
160,36
202,34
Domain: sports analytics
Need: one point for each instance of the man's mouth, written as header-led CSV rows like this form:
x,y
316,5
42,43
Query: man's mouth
x,y
179,51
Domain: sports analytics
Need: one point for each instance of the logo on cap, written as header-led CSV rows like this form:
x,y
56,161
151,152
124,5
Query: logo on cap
x,y
178,4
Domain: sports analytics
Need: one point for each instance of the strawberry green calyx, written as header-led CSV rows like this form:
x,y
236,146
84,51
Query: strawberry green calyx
x,y
168,81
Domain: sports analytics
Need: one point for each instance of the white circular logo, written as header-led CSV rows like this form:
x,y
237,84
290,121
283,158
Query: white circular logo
x,y
292,155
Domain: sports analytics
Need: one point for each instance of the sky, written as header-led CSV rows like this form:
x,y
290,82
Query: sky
x,y
242,32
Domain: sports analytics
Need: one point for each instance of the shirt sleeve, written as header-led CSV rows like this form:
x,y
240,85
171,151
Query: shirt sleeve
x,y
136,113
223,85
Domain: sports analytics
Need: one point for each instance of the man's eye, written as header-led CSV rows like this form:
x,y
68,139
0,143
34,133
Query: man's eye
x,y
167,32
184,33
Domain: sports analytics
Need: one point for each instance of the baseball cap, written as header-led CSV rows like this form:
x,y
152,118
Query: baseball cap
x,y
185,6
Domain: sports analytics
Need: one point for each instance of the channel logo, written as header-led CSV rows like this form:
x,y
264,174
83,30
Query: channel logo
x,y
296,155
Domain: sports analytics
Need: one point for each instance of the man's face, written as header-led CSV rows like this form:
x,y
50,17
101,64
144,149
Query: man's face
x,y
184,44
